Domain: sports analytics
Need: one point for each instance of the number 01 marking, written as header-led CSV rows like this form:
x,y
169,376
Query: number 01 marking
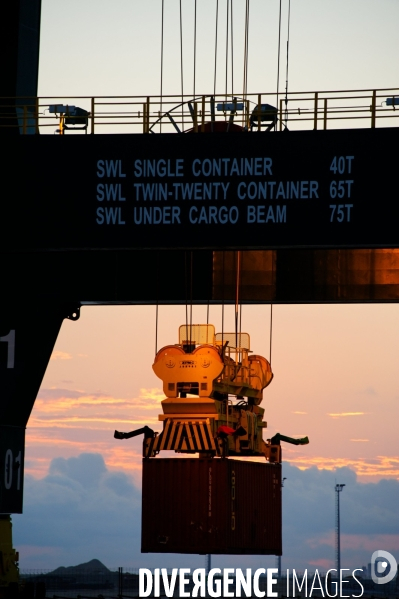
x,y
10,340
9,467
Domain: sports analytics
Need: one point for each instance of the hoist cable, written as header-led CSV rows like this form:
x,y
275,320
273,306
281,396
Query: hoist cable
x,y
238,254
181,66
278,57
246,76
286,75
216,47
157,304
232,45
156,329
241,271
191,297
195,44
222,299
227,44
271,314
245,81
186,292
271,333
162,29
245,48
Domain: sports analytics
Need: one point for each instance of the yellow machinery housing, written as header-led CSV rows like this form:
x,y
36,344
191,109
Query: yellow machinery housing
x,y
213,387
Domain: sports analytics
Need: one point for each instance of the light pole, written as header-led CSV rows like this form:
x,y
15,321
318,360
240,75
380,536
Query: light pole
x,y
208,563
338,490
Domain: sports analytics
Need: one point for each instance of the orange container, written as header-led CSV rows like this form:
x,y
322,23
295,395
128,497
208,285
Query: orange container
x,y
211,506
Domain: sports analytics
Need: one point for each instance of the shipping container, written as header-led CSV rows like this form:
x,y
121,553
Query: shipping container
x,y
214,506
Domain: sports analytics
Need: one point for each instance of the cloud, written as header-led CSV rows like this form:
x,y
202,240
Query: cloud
x,y
370,391
79,509
58,393
344,414
79,421
378,467
360,440
83,510
299,412
60,355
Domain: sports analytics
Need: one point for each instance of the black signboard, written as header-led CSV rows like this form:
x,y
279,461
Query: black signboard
x,y
253,190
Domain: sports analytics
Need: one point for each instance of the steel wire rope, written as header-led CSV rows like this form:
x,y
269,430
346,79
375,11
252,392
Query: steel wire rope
x,y
222,299
245,77
157,304
245,48
216,47
238,256
161,92
186,292
271,315
278,58
232,45
156,329
191,297
227,45
181,65
286,73
271,332
195,45
241,274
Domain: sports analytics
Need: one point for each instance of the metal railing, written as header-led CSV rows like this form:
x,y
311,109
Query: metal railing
x,y
155,114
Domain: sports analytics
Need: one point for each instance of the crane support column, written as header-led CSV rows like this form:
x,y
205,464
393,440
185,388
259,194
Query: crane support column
x,y
28,332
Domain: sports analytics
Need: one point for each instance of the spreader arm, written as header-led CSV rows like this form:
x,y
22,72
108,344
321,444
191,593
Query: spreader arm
x,y
145,430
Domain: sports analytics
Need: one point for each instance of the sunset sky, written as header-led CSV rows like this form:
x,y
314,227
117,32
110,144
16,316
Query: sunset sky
x,y
335,366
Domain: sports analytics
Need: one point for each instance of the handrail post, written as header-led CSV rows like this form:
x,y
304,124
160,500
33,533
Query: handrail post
x,y
196,117
92,116
36,115
373,108
325,113
203,115
259,109
281,114
316,99
148,115
144,117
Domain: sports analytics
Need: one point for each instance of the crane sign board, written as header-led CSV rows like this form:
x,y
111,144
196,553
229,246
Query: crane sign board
x,y
12,444
250,190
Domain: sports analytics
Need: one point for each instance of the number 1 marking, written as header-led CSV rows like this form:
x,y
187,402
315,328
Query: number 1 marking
x,y
10,340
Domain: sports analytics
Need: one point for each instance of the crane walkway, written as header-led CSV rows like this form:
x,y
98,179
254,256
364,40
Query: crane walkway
x,y
342,109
